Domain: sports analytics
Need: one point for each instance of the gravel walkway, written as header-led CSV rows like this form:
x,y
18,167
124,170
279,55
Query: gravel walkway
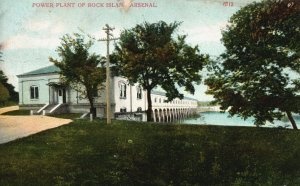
x,y
14,127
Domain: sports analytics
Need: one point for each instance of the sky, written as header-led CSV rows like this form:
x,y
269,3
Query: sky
x,y
31,33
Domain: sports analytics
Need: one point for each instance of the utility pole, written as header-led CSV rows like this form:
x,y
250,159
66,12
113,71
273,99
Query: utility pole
x,y
109,37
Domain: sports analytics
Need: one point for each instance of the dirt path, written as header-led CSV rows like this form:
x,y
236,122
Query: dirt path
x,y
13,127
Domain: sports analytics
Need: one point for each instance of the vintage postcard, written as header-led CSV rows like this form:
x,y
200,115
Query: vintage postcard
x,y
149,92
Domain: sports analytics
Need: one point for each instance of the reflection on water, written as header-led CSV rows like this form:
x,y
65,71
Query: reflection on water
x,y
217,118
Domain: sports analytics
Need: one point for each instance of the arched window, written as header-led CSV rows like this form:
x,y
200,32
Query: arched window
x,y
139,92
139,109
34,92
122,86
155,100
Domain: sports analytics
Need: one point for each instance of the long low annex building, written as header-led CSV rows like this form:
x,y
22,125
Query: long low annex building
x,y
42,92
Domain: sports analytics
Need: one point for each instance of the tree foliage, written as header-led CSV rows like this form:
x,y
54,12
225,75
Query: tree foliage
x,y
13,95
4,94
258,75
79,69
150,54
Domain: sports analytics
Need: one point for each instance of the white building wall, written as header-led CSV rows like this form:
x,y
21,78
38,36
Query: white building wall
x,y
80,105
76,97
158,101
41,82
131,102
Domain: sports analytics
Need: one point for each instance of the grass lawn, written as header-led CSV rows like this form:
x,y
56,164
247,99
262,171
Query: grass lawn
x,y
130,153
8,103
17,112
66,116
27,112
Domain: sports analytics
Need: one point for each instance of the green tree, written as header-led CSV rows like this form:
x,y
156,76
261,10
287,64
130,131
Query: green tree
x,y
258,75
4,94
13,95
150,55
79,69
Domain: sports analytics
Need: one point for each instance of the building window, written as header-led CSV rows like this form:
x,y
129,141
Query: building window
x,y
139,93
123,109
122,90
159,100
139,109
34,92
155,100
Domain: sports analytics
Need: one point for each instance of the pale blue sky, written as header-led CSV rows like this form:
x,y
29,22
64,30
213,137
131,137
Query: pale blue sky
x,y
30,35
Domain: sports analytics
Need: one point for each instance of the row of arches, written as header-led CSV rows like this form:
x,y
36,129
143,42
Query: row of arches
x,y
171,114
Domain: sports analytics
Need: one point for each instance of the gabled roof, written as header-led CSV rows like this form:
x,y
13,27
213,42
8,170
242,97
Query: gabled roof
x,y
45,70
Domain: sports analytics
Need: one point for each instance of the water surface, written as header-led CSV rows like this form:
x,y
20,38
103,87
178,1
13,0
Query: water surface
x,y
217,118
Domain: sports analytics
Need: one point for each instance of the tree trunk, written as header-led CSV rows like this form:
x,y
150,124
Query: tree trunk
x,y
92,108
149,111
289,115
93,112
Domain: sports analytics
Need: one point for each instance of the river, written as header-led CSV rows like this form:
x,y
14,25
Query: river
x,y
217,118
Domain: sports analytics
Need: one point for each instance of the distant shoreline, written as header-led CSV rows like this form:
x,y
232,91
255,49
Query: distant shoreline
x,y
209,109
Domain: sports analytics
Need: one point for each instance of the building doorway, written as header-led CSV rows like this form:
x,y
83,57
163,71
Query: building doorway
x,y
61,93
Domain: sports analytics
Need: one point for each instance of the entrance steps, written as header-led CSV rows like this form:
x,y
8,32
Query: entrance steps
x,y
49,109
84,115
